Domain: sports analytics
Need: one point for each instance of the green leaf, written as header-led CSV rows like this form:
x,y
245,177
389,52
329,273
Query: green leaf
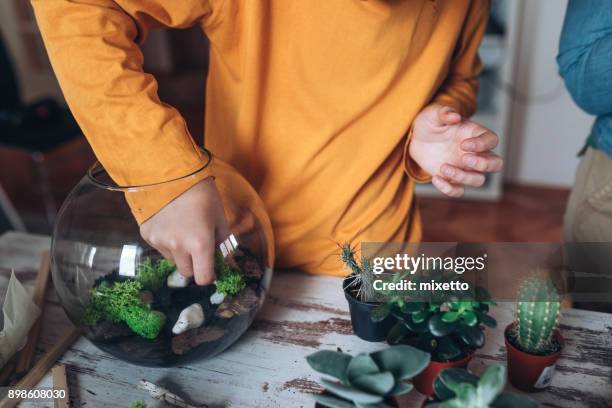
x,y
510,400
412,307
334,363
380,312
487,320
403,361
491,384
350,393
449,379
439,328
397,333
420,316
472,336
401,388
469,318
332,402
362,364
414,326
450,317
447,349
379,383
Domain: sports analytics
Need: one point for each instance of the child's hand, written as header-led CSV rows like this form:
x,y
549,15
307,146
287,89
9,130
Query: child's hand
x,y
187,229
454,151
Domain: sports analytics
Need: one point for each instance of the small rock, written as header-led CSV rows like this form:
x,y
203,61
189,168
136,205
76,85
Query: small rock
x,y
216,298
190,318
176,280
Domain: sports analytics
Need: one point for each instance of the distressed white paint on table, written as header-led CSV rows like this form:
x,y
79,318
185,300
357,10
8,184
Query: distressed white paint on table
x,y
266,367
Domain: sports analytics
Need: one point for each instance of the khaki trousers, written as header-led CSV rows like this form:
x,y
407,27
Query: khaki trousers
x,y
588,219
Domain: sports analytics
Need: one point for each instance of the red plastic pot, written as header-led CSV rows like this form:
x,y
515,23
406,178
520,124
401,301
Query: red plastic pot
x,y
529,372
424,381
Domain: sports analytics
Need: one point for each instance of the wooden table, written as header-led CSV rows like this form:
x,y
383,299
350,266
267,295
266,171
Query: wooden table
x,y
266,367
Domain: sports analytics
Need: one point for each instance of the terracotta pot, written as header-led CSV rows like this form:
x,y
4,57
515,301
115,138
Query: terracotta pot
x,y
361,319
389,401
424,381
529,372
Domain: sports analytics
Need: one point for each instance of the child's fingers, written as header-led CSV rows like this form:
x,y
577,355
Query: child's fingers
x,y
203,255
183,263
484,162
447,188
448,116
458,176
481,143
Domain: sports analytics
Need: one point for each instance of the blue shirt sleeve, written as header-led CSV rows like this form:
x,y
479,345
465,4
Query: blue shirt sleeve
x,y
585,54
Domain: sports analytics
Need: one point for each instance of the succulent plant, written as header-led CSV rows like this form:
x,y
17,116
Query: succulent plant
x,y
366,380
458,388
538,310
445,324
362,275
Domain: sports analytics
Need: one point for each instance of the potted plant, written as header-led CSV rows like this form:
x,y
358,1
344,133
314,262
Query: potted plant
x,y
533,342
448,325
457,388
362,298
374,379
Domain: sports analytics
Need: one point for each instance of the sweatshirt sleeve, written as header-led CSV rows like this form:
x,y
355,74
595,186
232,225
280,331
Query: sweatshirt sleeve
x,y
460,89
93,48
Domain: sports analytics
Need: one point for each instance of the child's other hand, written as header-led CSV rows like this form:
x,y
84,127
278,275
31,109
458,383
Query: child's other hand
x,y
186,230
456,152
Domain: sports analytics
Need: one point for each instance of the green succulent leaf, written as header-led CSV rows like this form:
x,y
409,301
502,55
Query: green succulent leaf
x,y
510,400
414,326
412,307
487,320
332,402
379,383
491,384
450,317
403,361
469,318
381,312
440,328
397,333
350,393
334,363
447,349
360,365
449,379
401,388
472,336
420,316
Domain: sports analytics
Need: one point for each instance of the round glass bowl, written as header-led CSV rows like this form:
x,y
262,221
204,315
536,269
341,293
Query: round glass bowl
x,y
130,301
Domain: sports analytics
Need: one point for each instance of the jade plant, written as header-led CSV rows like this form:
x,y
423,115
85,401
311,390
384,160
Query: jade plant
x,y
361,278
538,310
458,388
366,380
446,324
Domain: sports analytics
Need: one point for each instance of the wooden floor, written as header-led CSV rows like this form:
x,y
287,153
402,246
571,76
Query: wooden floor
x,y
524,214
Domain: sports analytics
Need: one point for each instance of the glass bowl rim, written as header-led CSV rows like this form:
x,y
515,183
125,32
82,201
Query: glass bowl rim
x,y
96,169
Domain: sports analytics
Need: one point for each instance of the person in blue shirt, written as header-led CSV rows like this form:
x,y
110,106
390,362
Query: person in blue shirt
x,y
585,63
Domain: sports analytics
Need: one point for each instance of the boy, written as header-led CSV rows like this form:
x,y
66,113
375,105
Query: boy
x,y
331,109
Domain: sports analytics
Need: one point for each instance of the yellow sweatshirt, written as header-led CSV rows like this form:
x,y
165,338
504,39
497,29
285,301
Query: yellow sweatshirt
x,y
311,100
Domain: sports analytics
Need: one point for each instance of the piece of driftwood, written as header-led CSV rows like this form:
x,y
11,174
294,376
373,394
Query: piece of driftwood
x,y
60,382
43,366
26,355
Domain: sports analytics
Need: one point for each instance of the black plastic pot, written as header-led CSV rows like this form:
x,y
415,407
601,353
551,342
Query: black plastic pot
x,y
361,319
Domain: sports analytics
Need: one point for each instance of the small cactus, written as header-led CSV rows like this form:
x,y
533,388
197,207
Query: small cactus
x,y
362,276
538,309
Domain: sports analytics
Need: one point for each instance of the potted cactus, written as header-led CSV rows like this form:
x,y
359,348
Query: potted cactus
x,y
374,379
456,387
448,325
533,342
362,298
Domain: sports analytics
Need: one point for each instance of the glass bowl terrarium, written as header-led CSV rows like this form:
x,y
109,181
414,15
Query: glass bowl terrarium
x,y
133,303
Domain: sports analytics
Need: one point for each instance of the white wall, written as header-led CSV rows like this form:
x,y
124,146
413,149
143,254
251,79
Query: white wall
x,y
547,129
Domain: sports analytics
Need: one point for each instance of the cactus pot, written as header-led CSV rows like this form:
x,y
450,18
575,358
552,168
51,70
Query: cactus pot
x,y
424,381
361,318
530,372
392,401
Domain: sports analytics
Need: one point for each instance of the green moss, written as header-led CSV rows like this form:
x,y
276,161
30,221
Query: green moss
x,y
138,404
229,278
121,302
152,275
